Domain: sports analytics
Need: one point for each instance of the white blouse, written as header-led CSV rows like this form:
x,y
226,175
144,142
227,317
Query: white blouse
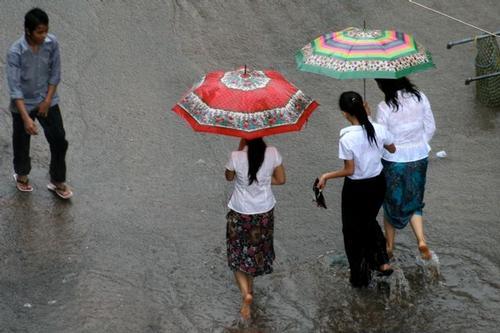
x,y
258,197
412,126
354,145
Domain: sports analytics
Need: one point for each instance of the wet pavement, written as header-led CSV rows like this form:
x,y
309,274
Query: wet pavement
x,y
141,246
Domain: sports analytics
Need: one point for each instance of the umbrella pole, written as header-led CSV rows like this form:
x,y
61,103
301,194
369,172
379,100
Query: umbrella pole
x,y
364,80
364,90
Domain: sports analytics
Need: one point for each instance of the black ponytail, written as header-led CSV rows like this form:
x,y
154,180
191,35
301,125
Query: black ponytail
x,y
256,153
352,103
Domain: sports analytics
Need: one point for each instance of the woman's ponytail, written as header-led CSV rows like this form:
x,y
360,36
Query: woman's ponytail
x,y
256,153
352,103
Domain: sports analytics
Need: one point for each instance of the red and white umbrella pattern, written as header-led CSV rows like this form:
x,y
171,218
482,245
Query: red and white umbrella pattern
x,y
246,104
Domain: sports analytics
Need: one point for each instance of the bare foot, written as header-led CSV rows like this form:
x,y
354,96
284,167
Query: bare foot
x,y
384,267
385,270
425,252
248,299
390,254
246,307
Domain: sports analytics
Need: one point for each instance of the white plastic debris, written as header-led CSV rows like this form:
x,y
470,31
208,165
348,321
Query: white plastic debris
x,y
441,154
27,305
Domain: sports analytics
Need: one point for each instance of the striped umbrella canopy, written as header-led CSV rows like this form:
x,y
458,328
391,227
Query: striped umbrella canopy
x,y
356,53
245,104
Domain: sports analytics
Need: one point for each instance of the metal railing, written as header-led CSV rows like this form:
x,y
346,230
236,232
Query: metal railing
x,y
475,39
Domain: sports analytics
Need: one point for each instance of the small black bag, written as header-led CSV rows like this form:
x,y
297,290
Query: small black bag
x,y
318,195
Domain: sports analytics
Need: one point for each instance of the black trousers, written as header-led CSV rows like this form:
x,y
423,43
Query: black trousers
x,y
56,136
364,242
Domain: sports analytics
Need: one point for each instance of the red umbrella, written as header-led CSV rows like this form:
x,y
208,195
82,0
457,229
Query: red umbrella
x,y
246,104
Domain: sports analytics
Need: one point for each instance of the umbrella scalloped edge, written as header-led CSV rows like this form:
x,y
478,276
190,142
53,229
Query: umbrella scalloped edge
x,y
247,133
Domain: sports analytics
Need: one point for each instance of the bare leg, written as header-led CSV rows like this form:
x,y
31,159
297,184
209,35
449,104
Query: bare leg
x,y
242,280
247,299
250,284
418,229
390,234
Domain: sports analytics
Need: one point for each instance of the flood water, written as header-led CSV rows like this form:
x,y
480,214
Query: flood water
x,y
141,246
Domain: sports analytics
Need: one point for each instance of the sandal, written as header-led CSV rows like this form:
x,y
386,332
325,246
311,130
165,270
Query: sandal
x,y
23,185
62,192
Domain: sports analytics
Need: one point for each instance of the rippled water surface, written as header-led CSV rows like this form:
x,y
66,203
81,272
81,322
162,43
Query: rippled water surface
x,y
141,246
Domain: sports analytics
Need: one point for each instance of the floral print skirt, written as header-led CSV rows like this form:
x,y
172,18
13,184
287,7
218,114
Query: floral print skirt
x,y
250,242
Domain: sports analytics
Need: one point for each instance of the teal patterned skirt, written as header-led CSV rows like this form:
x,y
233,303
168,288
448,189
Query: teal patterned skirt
x,y
404,196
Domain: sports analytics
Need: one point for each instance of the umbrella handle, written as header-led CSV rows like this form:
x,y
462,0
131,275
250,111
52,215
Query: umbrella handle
x,y
364,89
364,80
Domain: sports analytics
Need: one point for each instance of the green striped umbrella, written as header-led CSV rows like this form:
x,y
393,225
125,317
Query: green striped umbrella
x,y
356,53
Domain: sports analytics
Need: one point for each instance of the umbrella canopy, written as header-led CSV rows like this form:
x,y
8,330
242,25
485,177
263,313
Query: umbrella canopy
x,y
246,104
356,53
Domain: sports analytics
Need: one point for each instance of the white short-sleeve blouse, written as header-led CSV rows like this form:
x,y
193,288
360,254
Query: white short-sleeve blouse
x,y
258,197
354,145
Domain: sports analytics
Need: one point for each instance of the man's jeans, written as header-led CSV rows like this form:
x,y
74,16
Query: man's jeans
x,y
54,132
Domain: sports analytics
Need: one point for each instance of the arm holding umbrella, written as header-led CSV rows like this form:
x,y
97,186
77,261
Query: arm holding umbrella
x,y
242,144
367,108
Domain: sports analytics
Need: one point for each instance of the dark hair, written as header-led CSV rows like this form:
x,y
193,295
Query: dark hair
x,y
256,152
390,88
34,18
352,103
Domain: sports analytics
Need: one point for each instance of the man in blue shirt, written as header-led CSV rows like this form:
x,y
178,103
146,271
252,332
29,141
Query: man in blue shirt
x,y
33,73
